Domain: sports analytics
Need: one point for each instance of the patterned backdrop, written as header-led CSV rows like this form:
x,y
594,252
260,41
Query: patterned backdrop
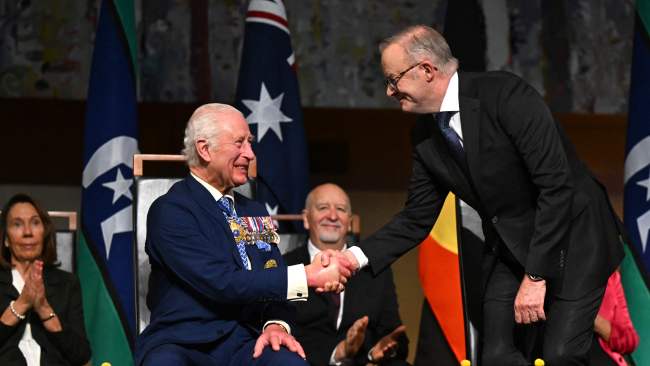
x,y
576,52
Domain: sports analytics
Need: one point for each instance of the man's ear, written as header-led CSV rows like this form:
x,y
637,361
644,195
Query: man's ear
x,y
430,70
305,223
203,149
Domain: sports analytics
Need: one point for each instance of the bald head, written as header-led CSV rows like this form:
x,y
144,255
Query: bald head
x,y
327,216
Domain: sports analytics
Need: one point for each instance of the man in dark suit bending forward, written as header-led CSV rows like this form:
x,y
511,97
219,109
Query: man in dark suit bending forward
x,y
552,239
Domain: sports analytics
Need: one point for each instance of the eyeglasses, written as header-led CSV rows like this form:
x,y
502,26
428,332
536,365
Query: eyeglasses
x,y
391,82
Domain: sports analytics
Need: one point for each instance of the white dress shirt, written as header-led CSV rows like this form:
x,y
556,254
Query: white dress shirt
x,y
449,103
313,250
30,349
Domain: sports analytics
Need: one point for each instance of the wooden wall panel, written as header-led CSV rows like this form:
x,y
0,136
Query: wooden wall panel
x,y
358,148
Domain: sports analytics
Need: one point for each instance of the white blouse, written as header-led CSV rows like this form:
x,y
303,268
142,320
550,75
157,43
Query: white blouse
x,y
28,345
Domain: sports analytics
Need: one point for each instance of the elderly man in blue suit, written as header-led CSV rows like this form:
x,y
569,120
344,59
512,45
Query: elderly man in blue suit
x,y
219,290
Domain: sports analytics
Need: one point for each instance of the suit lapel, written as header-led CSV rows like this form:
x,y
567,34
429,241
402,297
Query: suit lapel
x,y
204,199
469,120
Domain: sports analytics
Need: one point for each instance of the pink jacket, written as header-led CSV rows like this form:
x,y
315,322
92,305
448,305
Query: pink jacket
x,y
623,338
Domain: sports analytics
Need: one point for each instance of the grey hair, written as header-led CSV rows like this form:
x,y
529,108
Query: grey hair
x,y
423,41
203,124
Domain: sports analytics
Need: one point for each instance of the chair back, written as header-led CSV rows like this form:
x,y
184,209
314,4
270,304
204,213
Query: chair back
x,y
65,239
147,189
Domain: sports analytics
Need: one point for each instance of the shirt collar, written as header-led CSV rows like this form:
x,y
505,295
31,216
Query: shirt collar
x,y
313,250
213,191
450,100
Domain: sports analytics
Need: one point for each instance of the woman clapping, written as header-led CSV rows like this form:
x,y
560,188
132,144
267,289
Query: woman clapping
x,y
42,316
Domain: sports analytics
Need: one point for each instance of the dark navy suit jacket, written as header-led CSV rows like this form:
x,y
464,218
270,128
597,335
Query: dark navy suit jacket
x,y
199,290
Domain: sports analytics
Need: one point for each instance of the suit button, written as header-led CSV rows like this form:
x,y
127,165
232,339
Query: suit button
x,y
299,294
495,219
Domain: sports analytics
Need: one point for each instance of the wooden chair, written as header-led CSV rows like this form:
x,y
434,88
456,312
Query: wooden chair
x,y
148,188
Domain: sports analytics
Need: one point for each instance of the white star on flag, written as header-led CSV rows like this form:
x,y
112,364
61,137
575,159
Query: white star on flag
x,y
646,184
120,187
273,210
266,113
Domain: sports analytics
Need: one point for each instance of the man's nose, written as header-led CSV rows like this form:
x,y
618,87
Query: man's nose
x,y
248,151
390,91
332,214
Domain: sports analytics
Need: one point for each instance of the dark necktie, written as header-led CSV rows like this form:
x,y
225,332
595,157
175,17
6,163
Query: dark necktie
x,y
228,208
452,138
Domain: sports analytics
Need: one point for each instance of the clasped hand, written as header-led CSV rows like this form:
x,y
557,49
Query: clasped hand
x,y
329,271
33,293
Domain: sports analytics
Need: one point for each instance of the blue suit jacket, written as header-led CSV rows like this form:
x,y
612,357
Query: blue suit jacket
x,y
199,290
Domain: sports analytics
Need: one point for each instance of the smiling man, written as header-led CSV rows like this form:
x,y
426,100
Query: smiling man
x,y
362,324
218,288
552,239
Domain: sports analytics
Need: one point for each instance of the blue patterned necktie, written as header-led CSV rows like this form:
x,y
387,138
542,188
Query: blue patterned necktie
x,y
452,138
228,208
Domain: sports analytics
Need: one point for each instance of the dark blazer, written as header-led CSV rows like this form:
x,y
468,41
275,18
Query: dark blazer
x,y
525,180
364,295
68,347
199,291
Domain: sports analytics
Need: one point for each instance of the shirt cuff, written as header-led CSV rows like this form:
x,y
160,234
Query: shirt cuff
x,y
334,362
358,254
297,283
284,325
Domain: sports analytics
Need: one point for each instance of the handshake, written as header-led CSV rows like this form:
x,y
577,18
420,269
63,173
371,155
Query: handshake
x,y
330,270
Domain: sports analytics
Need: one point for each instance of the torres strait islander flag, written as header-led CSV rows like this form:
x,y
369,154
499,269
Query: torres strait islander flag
x,y
636,264
106,246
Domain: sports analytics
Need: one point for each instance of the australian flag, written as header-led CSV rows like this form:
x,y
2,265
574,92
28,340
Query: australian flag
x,y
267,94
637,161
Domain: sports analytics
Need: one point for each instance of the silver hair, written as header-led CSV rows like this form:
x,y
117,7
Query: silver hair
x,y
203,124
423,41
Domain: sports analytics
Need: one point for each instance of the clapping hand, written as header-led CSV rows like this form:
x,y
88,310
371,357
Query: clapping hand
x,y
387,346
33,293
353,341
35,282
